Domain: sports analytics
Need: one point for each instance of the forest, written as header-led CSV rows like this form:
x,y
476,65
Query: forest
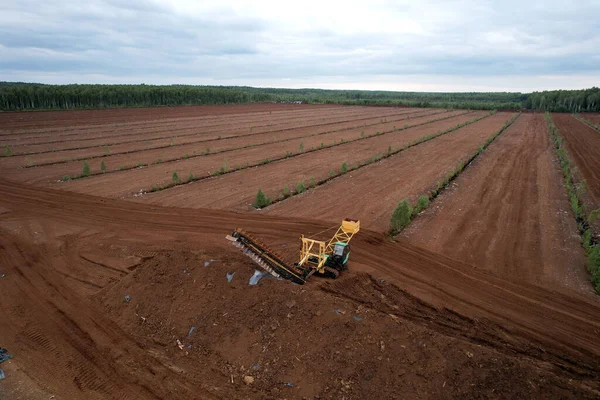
x,y
17,96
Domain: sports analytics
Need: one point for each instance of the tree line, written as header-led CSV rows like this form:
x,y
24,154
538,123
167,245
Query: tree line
x,y
586,100
36,96
30,96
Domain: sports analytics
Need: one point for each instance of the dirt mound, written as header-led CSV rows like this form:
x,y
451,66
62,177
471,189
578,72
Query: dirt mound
x,y
356,338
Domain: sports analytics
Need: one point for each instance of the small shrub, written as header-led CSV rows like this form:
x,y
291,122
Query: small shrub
x,y
389,150
286,192
207,150
186,156
86,169
344,168
191,177
102,167
342,141
313,182
362,134
155,188
300,187
175,178
224,166
158,160
422,203
301,146
322,145
331,173
65,178
107,149
593,216
261,200
266,161
171,142
122,168
593,260
400,217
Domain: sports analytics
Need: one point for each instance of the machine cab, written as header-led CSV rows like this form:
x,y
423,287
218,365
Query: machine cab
x,y
339,256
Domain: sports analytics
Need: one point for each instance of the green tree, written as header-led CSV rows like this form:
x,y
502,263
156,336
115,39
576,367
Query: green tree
x,y
86,171
261,200
400,217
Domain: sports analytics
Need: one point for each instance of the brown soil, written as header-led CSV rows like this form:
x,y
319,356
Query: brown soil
x,y
45,119
381,186
181,130
51,173
594,118
402,322
508,212
237,191
583,145
476,335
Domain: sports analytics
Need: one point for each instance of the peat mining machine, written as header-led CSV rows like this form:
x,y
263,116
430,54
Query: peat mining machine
x,y
323,258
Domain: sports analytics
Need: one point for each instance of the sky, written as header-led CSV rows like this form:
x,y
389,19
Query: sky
x,y
418,45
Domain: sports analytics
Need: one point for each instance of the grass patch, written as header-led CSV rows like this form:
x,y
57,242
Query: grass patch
x,y
300,187
102,166
575,193
175,178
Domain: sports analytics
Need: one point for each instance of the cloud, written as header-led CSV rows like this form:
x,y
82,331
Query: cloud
x,y
273,43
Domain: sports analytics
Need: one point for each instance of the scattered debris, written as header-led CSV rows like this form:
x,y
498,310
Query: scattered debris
x,y
288,384
339,312
4,355
230,276
469,354
258,275
127,298
357,318
207,263
3,276
179,344
192,329
255,366
284,245
290,303
248,380
2,375
382,281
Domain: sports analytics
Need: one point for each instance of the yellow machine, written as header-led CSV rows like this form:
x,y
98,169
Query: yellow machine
x,y
325,258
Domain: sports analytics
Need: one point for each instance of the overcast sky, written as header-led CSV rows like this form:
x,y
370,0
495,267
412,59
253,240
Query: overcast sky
x,y
431,45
